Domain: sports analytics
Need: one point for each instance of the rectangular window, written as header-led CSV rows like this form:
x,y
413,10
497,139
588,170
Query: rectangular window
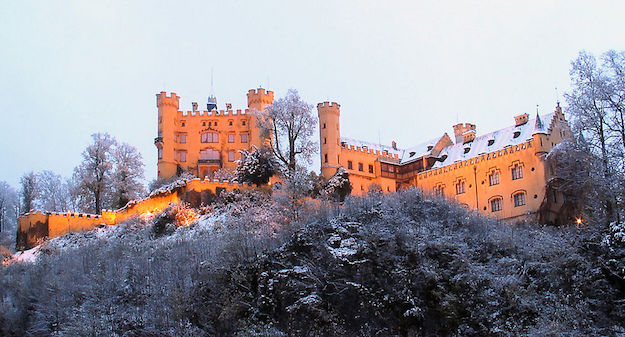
x,y
460,187
243,122
209,154
349,165
325,140
493,178
231,138
183,123
244,138
370,168
160,153
519,199
324,125
210,137
360,167
183,138
439,191
325,158
231,155
517,172
495,205
182,156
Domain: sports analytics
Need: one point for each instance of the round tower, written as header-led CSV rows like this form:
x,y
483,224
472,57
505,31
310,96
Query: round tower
x,y
329,137
257,99
164,141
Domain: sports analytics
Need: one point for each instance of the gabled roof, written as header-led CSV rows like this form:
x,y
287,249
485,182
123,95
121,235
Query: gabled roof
x,y
405,155
494,141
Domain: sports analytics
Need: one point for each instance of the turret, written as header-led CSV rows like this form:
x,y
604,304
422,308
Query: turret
x,y
460,129
329,137
167,110
257,99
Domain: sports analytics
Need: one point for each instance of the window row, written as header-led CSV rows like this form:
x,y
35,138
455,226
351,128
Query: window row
x,y
516,170
496,203
211,137
206,154
361,167
183,123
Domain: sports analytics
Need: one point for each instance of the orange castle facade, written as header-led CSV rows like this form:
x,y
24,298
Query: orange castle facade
x,y
206,141
502,173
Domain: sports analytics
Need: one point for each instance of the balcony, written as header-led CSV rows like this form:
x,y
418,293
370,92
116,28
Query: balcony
x,y
209,162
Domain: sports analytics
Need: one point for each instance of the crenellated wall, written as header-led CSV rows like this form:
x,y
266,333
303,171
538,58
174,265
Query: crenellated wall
x,y
36,225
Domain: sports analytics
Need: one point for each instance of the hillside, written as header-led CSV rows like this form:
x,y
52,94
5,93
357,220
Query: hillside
x,y
381,265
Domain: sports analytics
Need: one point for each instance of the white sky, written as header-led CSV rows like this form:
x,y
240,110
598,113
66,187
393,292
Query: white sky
x,y
404,70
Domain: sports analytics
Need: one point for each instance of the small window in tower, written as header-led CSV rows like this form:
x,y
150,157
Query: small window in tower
x,y
210,123
204,123
215,123
243,122
370,168
325,140
360,167
244,138
324,125
349,165
325,158
182,123
229,123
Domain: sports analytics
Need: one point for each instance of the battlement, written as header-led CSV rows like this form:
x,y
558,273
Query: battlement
x,y
163,99
260,91
327,104
215,113
364,149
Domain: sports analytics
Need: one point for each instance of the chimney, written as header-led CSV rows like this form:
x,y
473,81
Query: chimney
x,y
194,105
521,119
460,129
394,145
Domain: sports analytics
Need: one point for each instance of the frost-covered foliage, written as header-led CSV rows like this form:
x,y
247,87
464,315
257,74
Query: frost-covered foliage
x,y
28,191
256,167
224,174
291,124
382,265
164,184
53,192
338,186
109,175
9,212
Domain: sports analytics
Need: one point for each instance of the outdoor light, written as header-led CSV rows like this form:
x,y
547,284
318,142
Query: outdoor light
x,y
579,221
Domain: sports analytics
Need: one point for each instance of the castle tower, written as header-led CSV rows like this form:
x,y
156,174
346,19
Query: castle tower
x,y
167,111
257,99
329,137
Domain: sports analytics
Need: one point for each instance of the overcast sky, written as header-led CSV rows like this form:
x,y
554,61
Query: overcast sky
x,y
401,70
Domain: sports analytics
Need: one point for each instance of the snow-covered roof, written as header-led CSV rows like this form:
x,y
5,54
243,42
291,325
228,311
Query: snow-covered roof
x,y
405,155
495,141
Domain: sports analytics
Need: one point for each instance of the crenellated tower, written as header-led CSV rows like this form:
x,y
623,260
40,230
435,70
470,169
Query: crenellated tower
x,y
257,99
167,111
330,137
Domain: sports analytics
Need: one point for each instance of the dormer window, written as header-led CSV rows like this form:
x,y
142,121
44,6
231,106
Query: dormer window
x,y
467,149
412,154
430,147
517,133
491,141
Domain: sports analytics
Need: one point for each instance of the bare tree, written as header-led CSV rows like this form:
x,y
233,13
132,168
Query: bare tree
x,y
127,175
8,201
29,191
92,177
291,124
54,192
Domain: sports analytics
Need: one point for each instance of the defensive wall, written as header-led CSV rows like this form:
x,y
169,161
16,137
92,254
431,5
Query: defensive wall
x,y
37,225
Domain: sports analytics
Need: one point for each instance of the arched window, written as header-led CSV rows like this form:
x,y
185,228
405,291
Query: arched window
x,y
517,170
519,199
493,177
496,204
439,190
460,188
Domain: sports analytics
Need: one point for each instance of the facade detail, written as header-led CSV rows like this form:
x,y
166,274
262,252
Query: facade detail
x,y
502,173
203,142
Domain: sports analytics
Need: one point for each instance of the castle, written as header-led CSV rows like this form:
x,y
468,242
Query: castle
x,y
203,142
502,173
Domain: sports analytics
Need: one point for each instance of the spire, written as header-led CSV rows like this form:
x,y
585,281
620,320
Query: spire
x,y
212,100
539,126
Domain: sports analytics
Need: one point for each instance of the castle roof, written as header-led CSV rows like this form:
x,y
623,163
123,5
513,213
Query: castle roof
x,y
371,146
494,141
405,155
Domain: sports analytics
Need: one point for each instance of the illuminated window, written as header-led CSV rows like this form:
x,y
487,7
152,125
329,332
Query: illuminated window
x,y
231,155
231,138
349,165
517,172
493,178
210,137
495,204
519,199
460,186
244,138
